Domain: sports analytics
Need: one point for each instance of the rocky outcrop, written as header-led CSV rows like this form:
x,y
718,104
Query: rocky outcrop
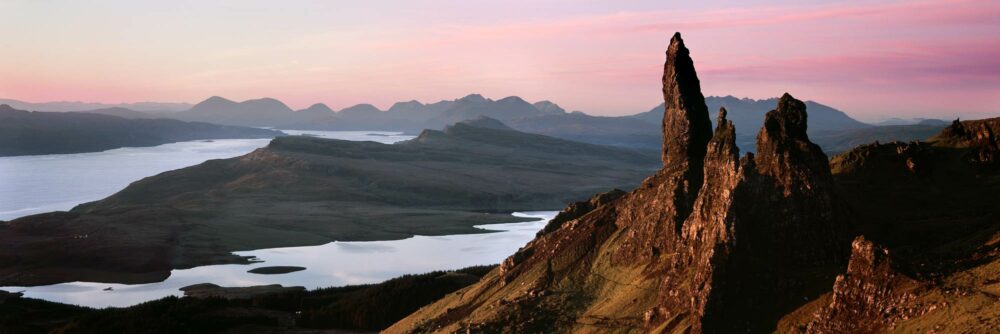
x,y
870,297
983,136
686,115
711,243
578,209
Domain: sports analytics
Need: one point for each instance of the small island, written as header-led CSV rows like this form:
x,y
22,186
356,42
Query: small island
x,y
274,270
209,290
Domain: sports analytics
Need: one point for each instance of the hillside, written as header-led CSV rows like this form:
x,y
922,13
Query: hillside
x,y
307,191
33,133
718,243
834,142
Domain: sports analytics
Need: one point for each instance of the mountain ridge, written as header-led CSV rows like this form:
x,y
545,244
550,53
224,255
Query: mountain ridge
x,y
38,133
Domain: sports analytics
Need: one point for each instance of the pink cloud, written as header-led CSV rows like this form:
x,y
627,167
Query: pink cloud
x,y
860,56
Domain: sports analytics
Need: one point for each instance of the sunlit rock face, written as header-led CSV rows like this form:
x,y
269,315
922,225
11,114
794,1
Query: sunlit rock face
x,y
710,243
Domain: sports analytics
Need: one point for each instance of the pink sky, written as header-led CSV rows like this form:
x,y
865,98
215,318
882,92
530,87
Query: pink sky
x,y
871,59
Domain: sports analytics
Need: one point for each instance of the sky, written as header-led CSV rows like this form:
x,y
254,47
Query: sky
x,y
871,59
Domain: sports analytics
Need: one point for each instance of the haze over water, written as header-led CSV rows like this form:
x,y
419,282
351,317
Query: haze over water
x,y
58,182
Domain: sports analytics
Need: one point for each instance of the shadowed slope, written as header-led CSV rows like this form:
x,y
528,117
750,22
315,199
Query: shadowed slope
x,y
37,133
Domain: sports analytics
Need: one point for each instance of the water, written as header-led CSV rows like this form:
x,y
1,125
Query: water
x,y
35,184
333,264
58,182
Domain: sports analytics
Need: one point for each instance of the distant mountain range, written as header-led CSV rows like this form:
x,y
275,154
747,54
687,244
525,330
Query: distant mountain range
x,y
33,133
831,128
82,106
750,114
911,121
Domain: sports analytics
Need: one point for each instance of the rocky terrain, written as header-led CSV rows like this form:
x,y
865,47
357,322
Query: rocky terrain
x,y
307,191
715,242
34,133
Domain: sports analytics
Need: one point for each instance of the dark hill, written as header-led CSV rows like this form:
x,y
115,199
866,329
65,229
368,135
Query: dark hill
x,y
833,141
306,191
265,112
486,123
34,133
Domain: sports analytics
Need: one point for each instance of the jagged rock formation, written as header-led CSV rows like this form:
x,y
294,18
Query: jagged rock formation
x,y
578,209
687,117
933,204
711,243
871,297
982,135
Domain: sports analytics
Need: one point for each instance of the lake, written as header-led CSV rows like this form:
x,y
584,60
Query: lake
x,y
36,184
58,182
333,264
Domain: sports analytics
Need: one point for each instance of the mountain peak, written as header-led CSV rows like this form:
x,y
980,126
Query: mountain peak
x,y
359,109
318,108
486,123
512,99
214,101
473,98
216,98
686,126
549,107
406,106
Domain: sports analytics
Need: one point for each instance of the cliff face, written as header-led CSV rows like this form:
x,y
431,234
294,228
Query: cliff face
x,y
710,243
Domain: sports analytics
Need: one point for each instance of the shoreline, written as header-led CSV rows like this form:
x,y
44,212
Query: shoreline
x,y
171,281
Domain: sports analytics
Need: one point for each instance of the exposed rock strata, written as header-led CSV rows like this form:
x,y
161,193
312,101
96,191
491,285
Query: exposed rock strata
x,y
870,297
686,115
